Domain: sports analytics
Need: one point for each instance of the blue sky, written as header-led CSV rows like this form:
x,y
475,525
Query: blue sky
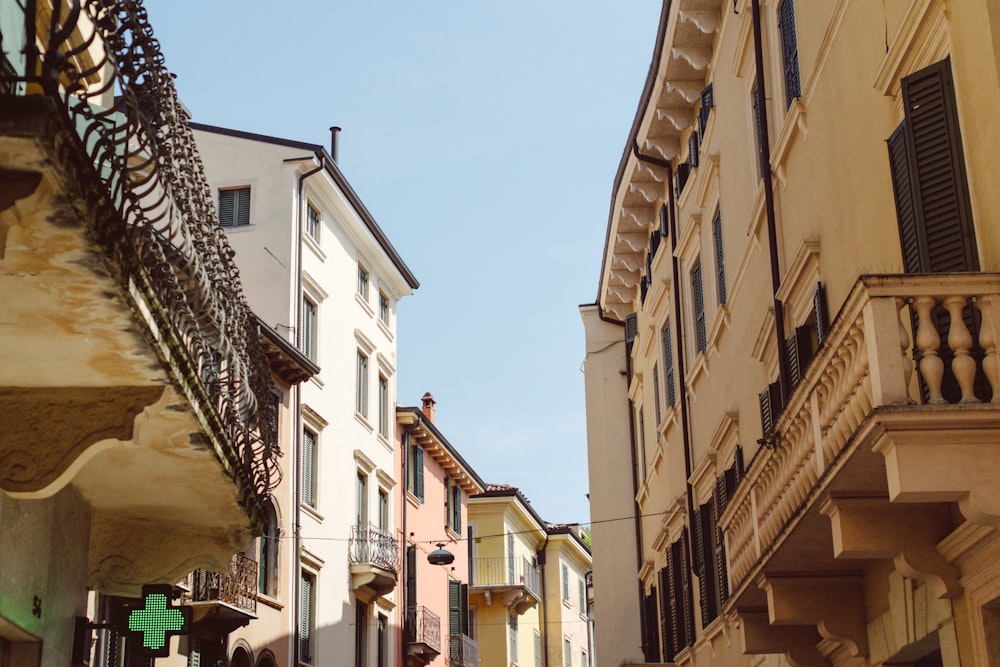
x,y
484,138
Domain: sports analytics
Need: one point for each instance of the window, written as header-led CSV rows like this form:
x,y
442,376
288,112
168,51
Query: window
x,y
789,50
707,104
307,338
383,633
512,624
383,510
312,222
234,207
642,457
415,471
720,262
656,393
668,366
361,386
538,649
267,554
363,282
510,558
676,608
705,543
583,659
307,619
361,501
567,652
565,583
308,467
453,506
761,158
383,406
698,297
383,307
361,635
583,597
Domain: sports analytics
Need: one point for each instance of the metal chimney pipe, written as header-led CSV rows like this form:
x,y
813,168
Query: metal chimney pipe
x,y
334,131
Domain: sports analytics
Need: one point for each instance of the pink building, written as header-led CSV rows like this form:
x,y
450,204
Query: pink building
x,y
434,604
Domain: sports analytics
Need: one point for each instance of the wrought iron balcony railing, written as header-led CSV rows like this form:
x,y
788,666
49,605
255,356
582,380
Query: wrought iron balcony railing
x,y
463,651
505,571
97,69
237,587
370,545
423,626
866,363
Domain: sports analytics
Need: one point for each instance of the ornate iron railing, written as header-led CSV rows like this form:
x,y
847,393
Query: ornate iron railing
x,y
101,70
370,545
423,626
237,587
463,651
504,571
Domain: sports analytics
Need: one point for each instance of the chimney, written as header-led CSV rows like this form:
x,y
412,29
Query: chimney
x,y
334,131
428,406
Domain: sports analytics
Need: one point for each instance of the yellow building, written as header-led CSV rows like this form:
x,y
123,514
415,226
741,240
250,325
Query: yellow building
x,y
791,361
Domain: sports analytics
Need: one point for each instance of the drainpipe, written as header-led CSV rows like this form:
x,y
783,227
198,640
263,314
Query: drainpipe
x,y
297,309
405,446
675,271
545,614
636,510
784,377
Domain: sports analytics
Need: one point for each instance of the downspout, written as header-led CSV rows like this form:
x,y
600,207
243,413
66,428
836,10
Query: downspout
x,y
784,377
636,510
545,614
297,309
405,447
675,270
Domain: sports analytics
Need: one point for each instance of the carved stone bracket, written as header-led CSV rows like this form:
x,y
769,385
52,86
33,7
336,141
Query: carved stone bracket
x,y
796,642
834,604
907,534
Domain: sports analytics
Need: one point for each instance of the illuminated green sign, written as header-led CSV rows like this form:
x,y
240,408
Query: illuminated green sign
x,y
151,624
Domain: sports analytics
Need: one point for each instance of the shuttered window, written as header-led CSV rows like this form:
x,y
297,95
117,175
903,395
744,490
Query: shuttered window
x,y
361,385
307,339
666,613
705,540
707,104
512,628
383,406
582,596
454,607
510,558
307,586
693,149
416,472
567,653
411,577
538,649
668,366
760,134
308,467
234,207
698,297
927,166
720,259
789,50
312,222
565,583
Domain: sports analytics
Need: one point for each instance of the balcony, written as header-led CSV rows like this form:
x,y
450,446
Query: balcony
x,y
374,558
225,600
872,461
462,651
127,352
423,636
515,582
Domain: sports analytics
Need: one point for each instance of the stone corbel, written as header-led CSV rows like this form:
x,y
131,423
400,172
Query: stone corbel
x,y
646,191
833,604
668,148
689,90
796,642
695,56
679,119
865,528
706,20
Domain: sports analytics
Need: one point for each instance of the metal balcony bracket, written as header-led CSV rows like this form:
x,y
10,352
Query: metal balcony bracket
x,y
833,604
870,528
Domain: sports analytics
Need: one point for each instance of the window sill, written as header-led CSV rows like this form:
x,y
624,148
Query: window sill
x,y
269,601
361,419
311,511
384,326
238,230
363,302
313,245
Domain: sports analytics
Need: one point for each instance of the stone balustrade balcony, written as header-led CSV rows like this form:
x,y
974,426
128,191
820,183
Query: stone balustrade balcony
x,y
130,365
885,448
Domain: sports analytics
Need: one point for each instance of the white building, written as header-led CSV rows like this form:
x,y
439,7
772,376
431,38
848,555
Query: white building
x,y
317,268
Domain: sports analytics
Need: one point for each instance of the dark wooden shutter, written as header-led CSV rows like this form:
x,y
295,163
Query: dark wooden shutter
x,y
668,365
688,597
707,103
721,499
911,240
664,221
798,347
698,528
681,174
631,330
418,472
940,186
227,206
693,149
720,260
676,594
760,135
465,609
665,616
411,576
820,313
789,50
305,617
770,408
650,636
242,207
699,307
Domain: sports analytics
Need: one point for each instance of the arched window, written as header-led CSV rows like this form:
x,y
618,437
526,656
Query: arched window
x,y
241,657
266,659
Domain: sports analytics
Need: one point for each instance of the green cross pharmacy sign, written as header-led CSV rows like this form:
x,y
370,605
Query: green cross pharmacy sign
x,y
154,620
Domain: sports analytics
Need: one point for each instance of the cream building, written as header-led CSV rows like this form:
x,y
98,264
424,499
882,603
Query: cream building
x,y
320,272
791,361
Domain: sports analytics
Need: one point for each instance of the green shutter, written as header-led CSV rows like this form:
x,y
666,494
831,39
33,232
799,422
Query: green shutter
x,y
418,478
411,576
308,470
720,261
454,607
668,365
305,617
